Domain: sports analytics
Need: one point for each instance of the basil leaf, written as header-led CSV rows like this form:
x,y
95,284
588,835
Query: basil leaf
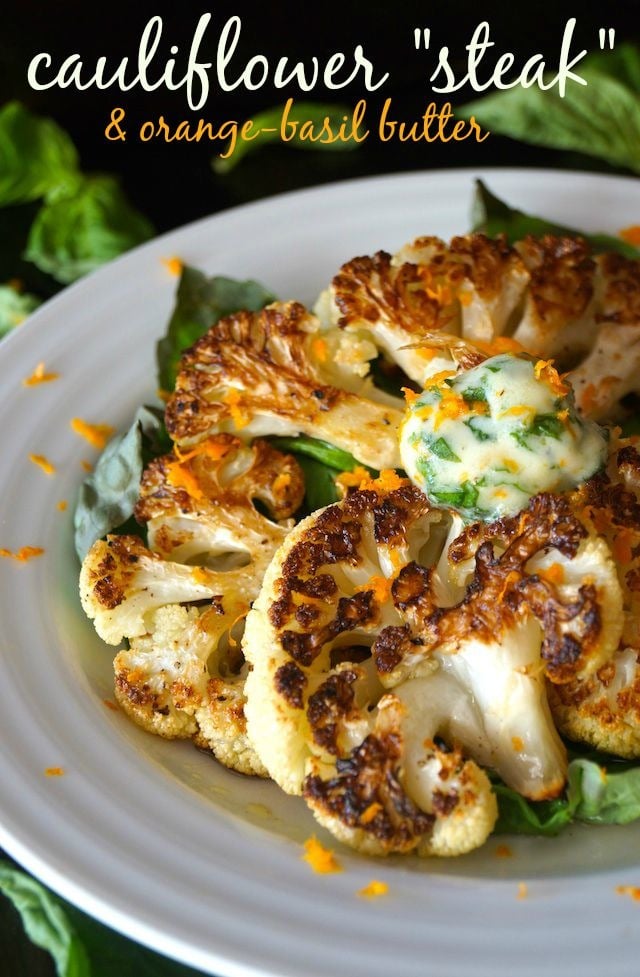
x,y
320,486
603,796
601,118
493,216
442,449
623,64
78,230
517,815
80,946
267,129
200,303
465,497
472,394
328,454
45,922
475,426
36,155
108,495
15,306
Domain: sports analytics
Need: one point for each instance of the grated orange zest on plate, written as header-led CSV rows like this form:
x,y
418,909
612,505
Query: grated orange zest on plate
x,y
54,772
62,505
374,890
39,376
96,434
629,890
47,467
322,860
23,554
173,265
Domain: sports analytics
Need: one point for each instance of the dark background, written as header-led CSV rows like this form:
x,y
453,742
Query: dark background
x,y
174,183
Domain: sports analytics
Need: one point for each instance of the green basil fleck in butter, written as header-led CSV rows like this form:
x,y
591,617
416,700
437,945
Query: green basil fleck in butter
x,y
485,441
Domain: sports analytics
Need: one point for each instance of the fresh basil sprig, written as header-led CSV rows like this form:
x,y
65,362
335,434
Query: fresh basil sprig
x,y
601,118
108,495
601,791
84,221
79,946
494,216
200,302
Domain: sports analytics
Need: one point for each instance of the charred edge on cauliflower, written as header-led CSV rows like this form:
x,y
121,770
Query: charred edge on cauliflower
x,y
418,296
500,591
562,271
246,347
367,794
238,476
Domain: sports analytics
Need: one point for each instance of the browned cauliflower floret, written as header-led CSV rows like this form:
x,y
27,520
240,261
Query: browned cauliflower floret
x,y
181,604
548,296
380,629
604,709
269,373
469,288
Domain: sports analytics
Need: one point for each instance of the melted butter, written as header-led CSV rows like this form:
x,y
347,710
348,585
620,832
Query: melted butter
x,y
487,440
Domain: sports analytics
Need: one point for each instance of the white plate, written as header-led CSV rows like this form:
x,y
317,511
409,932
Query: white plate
x,y
156,839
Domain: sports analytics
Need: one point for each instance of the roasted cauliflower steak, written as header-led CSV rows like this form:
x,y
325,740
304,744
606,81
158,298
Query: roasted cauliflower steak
x,y
181,602
393,651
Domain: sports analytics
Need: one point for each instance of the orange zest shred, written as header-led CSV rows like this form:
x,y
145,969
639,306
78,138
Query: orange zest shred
x,y
47,467
410,395
518,410
61,506
631,234
465,298
54,772
39,376
629,890
233,398
180,476
544,370
110,704
370,812
173,265
374,890
322,860
553,573
96,434
353,479
200,575
380,587
281,483
517,744
23,554
501,344
388,481
209,446
86,465
503,851
523,890
319,350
